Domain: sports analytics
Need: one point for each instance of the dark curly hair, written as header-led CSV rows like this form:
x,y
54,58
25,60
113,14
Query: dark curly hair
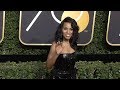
x,y
74,38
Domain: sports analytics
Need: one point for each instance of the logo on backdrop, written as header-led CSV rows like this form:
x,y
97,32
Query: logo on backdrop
x,y
39,27
2,20
113,28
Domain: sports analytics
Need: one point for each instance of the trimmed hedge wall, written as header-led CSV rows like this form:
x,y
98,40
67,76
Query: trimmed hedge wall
x,y
37,70
98,70
22,70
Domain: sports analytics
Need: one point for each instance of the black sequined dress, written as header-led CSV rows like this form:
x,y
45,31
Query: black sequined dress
x,y
64,67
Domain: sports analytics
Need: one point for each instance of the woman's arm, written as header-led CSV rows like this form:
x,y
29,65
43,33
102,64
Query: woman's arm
x,y
52,56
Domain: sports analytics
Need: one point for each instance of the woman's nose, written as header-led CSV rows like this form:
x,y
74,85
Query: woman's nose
x,y
68,31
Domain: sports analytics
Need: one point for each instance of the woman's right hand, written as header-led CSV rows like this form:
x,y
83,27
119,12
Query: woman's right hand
x,y
59,47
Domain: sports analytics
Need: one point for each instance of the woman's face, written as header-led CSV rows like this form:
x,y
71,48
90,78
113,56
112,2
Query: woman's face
x,y
67,31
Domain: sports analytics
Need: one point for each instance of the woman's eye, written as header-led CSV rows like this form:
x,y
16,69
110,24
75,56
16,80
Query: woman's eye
x,y
65,28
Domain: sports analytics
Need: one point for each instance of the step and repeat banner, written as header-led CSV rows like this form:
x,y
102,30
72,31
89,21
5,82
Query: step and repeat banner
x,y
39,27
2,23
113,28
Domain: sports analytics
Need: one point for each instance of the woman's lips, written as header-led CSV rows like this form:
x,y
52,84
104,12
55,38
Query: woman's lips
x,y
68,35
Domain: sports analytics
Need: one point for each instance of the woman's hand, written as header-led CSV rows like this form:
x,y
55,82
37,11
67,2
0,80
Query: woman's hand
x,y
59,47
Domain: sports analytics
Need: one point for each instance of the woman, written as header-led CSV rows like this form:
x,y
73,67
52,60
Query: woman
x,y
61,58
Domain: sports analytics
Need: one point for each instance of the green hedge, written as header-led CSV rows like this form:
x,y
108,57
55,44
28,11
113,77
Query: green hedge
x,y
22,70
98,70
37,70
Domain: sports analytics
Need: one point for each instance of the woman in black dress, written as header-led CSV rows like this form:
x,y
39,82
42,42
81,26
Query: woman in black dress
x,y
61,58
